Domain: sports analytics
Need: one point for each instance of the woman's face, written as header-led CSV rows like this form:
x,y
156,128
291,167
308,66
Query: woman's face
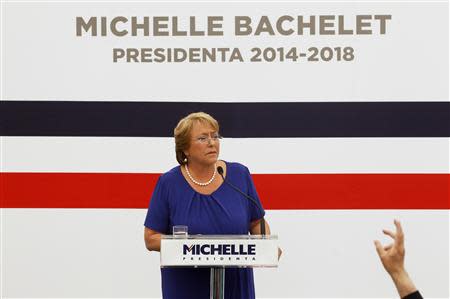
x,y
204,145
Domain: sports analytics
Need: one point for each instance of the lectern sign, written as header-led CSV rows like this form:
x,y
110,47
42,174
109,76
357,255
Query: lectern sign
x,y
234,250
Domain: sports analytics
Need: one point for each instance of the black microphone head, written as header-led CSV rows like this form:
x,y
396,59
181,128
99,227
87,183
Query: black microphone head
x,y
220,170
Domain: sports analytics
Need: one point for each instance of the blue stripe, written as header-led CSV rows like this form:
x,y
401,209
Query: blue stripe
x,y
157,119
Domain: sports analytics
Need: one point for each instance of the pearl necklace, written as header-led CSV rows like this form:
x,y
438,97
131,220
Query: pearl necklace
x,y
198,183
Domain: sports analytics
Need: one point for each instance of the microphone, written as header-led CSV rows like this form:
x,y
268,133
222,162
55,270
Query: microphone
x,y
254,201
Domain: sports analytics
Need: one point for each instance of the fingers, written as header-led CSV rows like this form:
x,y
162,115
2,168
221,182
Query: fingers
x,y
389,233
379,247
398,226
400,236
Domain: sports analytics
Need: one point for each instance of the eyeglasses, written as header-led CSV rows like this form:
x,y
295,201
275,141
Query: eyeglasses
x,y
206,139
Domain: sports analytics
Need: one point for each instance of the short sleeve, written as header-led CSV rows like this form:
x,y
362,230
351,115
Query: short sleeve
x,y
158,212
255,212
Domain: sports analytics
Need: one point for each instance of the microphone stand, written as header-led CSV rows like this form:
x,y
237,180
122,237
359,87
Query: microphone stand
x,y
262,223
217,276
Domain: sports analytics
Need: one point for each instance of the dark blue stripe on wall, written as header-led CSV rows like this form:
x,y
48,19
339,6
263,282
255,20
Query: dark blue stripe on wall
x,y
157,119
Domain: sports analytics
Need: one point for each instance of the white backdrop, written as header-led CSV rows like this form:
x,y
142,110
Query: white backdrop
x,y
43,59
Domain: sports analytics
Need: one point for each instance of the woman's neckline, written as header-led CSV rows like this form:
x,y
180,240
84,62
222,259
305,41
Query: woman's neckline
x,y
204,194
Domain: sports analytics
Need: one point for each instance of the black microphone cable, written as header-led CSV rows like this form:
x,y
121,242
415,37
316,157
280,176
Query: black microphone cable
x,y
262,223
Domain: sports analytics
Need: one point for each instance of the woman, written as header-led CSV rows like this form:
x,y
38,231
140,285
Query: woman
x,y
194,194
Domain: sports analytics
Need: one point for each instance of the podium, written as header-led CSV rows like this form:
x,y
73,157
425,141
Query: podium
x,y
219,252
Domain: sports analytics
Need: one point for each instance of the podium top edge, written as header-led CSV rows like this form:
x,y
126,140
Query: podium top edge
x,y
220,237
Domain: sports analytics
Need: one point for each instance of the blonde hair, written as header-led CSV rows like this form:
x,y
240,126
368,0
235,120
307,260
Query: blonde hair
x,y
182,132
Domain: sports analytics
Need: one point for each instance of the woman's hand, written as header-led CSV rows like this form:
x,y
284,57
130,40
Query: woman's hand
x,y
392,257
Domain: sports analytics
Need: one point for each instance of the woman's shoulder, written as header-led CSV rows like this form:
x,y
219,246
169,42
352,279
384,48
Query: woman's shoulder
x,y
236,167
171,175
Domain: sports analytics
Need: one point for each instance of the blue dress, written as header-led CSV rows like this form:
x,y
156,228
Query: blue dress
x,y
224,212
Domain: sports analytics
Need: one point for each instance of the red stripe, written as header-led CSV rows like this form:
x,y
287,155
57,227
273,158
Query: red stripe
x,y
277,191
